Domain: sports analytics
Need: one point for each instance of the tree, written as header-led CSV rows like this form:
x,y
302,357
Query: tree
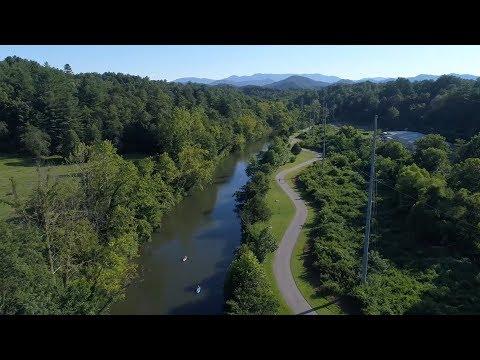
x,y
195,166
296,149
467,175
432,141
68,69
3,129
247,290
93,134
26,286
258,185
470,149
464,212
394,150
70,143
278,152
4,140
432,159
260,241
167,169
255,209
35,141
339,160
411,181
391,292
426,218
392,113
249,125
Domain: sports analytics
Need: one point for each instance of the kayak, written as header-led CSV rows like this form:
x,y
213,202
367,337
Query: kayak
x,y
198,289
185,258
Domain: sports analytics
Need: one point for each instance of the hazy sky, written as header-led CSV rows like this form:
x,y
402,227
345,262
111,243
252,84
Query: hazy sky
x,y
219,61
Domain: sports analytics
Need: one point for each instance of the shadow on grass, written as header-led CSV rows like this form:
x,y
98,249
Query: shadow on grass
x,y
21,162
27,161
335,301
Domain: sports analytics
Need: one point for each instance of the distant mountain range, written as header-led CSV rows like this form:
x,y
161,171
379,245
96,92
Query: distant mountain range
x,y
297,82
301,81
194,80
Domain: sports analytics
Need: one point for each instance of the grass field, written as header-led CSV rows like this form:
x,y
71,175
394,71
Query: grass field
x,y
24,172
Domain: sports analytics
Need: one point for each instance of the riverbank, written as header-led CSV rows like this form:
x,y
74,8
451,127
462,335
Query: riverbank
x,y
203,227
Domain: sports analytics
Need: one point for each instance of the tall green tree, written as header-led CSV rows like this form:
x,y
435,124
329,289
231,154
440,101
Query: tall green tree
x,y
247,290
35,141
260,241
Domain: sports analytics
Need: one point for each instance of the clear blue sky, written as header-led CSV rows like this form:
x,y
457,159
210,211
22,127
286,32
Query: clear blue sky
x,y
216,62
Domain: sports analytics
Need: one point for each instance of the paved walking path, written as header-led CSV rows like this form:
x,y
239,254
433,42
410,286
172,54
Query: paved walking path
x,y
281,265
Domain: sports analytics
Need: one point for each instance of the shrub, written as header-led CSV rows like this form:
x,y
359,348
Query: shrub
x,y
296,149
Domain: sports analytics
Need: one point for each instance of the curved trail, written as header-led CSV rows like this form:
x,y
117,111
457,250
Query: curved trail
x,y
281,267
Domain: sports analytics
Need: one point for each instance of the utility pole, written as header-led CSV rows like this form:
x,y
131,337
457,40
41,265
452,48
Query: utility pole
x,y
369,205
324,129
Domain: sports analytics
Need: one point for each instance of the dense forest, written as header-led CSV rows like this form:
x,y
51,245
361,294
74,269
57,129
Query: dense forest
x,y
449,106
69,246
424,253
44,111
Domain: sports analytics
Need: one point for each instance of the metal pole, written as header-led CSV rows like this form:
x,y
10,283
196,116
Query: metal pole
x,y
369,205
324,129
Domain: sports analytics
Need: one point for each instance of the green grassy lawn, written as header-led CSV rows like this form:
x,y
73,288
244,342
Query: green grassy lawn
x,y
282,213
24,171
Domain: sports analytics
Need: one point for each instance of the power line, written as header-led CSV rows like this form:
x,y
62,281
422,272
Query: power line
x,y
415,200
374,216
324,129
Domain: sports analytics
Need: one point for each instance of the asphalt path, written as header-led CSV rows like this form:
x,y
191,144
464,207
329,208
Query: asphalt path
x,y
281,266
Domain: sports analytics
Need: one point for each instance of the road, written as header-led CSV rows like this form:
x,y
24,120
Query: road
x,y
281,265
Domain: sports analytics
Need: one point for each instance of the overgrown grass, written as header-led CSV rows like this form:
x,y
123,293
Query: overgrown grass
x,y
301,266
24,171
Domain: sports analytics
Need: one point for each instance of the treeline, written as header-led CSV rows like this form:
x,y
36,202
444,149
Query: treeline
x,y
424,252
247,289
449,105
46,111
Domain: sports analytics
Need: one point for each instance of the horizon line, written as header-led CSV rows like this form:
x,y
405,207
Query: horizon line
x,y
341,78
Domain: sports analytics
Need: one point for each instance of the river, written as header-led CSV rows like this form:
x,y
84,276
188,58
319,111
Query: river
x,y
203,227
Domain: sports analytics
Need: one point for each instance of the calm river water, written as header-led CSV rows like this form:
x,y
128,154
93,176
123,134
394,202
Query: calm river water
x,y
203,227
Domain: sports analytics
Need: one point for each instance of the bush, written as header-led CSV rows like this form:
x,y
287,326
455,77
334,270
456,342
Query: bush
x,y
260,241
255,209
391,292
247,291
296,149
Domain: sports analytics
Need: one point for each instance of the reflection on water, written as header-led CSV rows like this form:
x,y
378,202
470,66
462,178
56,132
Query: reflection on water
x,y
203,227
